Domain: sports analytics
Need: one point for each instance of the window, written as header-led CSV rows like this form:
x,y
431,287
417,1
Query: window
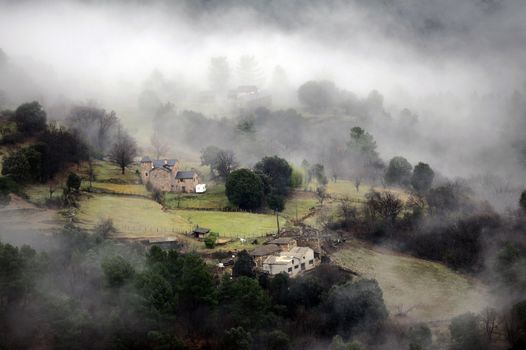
x,y
303,266
290,269
311,262
296,267
146,174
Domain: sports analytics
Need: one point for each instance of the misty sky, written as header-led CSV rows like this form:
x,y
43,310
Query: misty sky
x,y
414,47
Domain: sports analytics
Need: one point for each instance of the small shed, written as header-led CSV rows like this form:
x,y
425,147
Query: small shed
x,y
200,232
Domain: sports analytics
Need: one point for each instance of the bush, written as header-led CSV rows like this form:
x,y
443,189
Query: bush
x,y
210,240
73,182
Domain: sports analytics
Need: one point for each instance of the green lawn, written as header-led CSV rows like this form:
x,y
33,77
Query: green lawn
x,y
213,198
435,291
139,217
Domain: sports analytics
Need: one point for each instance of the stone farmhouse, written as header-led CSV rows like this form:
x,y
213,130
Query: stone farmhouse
x,y
283,255
164,175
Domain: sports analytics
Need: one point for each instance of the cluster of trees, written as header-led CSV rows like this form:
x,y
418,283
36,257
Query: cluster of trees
x,y
270,182
54,148
92,293
400,172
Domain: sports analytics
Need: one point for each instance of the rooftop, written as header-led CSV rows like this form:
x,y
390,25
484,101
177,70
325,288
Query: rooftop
x,y
184,175
281,240
279,260
298,252
201,230
263,250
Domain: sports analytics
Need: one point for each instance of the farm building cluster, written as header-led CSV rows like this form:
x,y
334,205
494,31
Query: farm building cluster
x,y
283,255
164,175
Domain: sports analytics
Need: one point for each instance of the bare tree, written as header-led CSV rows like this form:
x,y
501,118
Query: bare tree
x,y
225,163
159,145
321,194
489,322
124,150
386,205
357,182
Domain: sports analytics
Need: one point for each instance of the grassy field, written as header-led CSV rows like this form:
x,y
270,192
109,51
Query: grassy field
x,y
134,216
345,188
106,171
133,189
432,290
214,198
299,204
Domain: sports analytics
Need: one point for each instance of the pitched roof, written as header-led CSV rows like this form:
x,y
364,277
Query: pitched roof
x,y
201,230
281,240
184,175
280,260
298,252
266,249
146,159
158,163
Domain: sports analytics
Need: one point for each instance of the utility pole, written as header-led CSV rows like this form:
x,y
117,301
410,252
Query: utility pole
x,y
277,219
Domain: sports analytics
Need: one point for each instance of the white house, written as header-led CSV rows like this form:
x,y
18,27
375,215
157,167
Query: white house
x,y
296,260
200,188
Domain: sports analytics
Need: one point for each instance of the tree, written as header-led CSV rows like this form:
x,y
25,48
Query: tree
x,y
219,73
317,171
278,171
221,162
17,166
244,265
243,302
30,118
420,336
123,150
318,96
384,204
248,71
159,145
466,333
422,178
522,201
95,126
209,157
237,339
117,271
225,163
354,305
321,194
362,150
73,182
244,189
515,325
398,172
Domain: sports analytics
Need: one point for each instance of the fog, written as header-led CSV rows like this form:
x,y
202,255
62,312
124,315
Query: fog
x,y
453,64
